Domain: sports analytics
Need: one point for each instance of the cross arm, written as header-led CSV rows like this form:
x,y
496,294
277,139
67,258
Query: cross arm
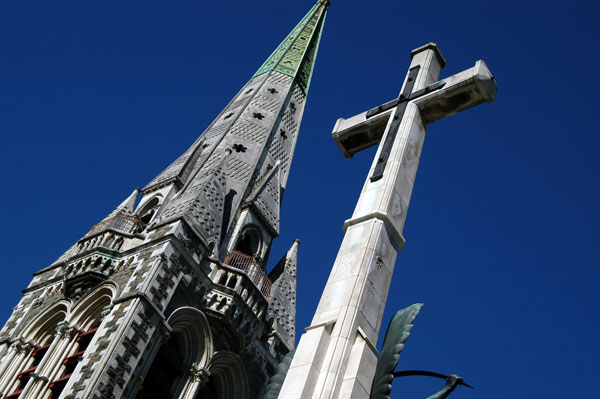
x,y
359,132
437,101
462,91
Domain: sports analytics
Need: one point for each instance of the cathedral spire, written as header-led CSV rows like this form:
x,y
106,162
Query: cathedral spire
x,y
260,127
296,54
294,58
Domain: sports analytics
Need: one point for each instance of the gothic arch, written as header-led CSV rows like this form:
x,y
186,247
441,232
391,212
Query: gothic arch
x,y
106,267
108,241
193,328
250,240
27,354
86,314
180,362
71,343
147,210
43,327
229,376
118,244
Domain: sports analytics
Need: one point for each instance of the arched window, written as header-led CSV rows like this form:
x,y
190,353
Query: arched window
x,y
174,370
109,240
149,210
25,359
106,267
228,378
85,320
87,264
166,372
249,242
118,244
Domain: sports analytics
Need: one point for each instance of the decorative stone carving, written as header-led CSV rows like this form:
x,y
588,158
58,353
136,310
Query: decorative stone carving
x,y
282,304
200,201
78,285
190,244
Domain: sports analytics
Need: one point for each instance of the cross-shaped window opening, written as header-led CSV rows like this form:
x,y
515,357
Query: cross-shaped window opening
x,y
240,148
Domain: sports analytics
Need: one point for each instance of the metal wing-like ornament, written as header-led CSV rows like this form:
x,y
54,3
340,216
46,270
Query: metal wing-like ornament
x,y
276,381
397,333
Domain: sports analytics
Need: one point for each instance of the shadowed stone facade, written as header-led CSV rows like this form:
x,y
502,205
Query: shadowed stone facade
x,y
168,296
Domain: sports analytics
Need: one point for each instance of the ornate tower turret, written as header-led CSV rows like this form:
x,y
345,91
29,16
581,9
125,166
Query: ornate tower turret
x,y
282,306
168,296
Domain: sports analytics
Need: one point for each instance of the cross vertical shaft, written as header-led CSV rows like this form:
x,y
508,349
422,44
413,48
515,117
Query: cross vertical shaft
x,y
336,357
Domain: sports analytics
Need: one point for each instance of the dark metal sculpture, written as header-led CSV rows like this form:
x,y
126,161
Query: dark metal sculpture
x,y
397,333
452,381
276,381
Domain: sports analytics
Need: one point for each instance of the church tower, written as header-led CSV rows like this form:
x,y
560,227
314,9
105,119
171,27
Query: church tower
x,y
168,296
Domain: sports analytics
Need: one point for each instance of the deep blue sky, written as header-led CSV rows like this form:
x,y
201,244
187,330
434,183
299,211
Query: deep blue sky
x,y
502,233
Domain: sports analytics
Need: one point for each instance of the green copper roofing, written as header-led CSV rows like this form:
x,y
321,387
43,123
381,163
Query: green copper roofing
x,y
297,52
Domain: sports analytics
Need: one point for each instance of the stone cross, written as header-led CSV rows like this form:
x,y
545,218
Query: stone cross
x,y
336,356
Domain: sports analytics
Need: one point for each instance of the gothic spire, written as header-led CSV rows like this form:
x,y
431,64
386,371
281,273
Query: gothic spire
x,y
260,127
128,205
295,58
296,54
191,256
110,222
119,219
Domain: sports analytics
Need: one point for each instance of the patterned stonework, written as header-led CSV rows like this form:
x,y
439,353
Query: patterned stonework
x,y
156,272
282,306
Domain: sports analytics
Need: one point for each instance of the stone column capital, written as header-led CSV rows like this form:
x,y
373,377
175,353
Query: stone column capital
x,y
63,329
200,375
22,346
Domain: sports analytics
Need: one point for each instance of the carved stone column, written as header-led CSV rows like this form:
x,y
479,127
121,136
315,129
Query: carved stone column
x,y
50,366
196,380
15,362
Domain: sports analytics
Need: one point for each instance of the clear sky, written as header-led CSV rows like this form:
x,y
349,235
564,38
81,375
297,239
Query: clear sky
x,y
97,97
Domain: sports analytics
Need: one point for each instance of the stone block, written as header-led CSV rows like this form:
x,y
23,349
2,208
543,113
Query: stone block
x,y
350,264
338,293
361,364
299,382
352,389
315,340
